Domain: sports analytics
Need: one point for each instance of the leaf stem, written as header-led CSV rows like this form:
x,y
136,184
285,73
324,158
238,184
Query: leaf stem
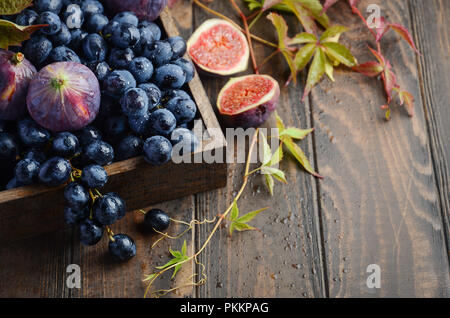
x,y
220,15
247,33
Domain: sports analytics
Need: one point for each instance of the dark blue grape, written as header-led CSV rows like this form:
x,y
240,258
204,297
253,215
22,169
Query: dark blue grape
x,y
26,17
94,176
118,82
90,232
13,183
35,154
100,69
91,7
27,171
187,67
53,21
55,171
184,110
128,147
73,217
94,48
73,16
141,68
37,49
95,23
153,93
178,45
120,58
108,209
127,17
172,93
63,37
184,140
122,247
115,126
77,196
31,134
153,27
140,125
63,54
157,150
162,122
125,35
157,219
87,135
65,144
158,52
9,149
78,37
99,152
134,102
48,5
169,76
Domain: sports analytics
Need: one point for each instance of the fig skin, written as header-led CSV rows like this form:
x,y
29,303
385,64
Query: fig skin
x,y
144,9
16,73
64,96
255,115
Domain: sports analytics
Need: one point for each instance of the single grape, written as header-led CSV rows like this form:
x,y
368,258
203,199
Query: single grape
x,y
31,134
94,48
122,247
77,196
100,69
178,45
108,209
118,82
27,171
73,217
169,76
134,102
53,21
94,176
48,5
158,52
141,68
26,17
99,152
90,232
127,17
140,125
37,49
125,35
115,126
63,37
63,54
153,93
184,110
187,67
78,36
120,58
162,122
184,140
9,149
96,22
128,147
157,150
91,7
88,134
157,219
55,171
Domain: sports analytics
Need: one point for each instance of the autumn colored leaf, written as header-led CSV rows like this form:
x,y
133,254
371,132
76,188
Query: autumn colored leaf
x,y
12,34
316,71
371,69
389,80
10,7
404,33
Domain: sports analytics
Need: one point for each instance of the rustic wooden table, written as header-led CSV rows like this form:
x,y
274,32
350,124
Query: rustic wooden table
x,y
384,199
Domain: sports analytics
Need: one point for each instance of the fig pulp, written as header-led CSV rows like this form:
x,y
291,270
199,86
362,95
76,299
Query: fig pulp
x,y
64,96
218,47
144,9
16,73
248,101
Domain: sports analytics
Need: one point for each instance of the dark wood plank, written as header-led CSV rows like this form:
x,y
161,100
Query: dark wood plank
x,y
284,260
430,22
36,267
379,201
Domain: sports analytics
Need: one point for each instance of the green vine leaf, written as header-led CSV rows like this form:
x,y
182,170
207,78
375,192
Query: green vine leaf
x,y
296,133
12,34
178,258
407,99
338,52
239,223
10,7
316,71
304,55
303,37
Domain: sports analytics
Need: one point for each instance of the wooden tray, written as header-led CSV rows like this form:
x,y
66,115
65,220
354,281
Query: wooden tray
x,y
37,209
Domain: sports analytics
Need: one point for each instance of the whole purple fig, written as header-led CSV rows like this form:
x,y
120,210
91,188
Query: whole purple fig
x,y
144,9
64,96
16,73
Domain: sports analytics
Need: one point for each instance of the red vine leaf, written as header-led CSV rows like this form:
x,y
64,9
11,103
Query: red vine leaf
x,y
407,99
404,33
369,68
389,80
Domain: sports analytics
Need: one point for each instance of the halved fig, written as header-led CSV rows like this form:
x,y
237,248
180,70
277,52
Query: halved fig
x,y
218,47
64,96
248,101
16,73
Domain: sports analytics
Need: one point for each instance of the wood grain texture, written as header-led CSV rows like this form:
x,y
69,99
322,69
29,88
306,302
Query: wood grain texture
x,y
379,200
284,260
430,25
